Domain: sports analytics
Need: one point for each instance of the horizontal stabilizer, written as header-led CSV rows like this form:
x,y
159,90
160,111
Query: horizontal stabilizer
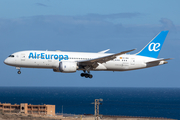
x,y
154,61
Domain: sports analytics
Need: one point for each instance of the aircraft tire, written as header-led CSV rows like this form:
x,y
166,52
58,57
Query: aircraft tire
x,y
82,75
19,72
86,76
90,76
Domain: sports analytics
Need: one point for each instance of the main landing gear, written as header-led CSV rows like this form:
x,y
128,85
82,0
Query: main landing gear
x,y
19,70
86,75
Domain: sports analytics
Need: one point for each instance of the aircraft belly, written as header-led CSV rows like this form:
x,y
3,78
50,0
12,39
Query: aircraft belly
x,y
116,66
35,63
101,67
139,64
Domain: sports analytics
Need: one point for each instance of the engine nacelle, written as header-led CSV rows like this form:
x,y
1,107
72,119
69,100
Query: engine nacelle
x,y
67,66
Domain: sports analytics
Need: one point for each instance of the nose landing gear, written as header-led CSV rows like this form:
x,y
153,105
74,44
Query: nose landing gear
x,y
19,70
86,75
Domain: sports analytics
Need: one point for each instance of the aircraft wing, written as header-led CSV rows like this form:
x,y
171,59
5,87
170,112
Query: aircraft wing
x,y
93,63
155,61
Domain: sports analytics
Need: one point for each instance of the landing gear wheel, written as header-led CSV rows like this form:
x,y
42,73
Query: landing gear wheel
x,y
90,76
82,75
19,72
86,76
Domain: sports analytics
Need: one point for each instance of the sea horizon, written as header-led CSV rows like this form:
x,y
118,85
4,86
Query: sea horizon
x,y
121,101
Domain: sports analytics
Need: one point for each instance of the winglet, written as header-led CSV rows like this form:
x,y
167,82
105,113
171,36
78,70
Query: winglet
x,y
104,51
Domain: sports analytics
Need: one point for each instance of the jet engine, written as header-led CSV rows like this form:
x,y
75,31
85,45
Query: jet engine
x,y
68,67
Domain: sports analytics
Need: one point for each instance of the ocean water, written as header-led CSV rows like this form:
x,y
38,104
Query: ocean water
x,y
144,102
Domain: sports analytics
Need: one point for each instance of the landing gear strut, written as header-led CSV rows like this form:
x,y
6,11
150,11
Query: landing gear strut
x,y
86,75
19,70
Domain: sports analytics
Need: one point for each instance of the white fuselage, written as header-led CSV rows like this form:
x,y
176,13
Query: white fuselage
x,y
68,62
51,60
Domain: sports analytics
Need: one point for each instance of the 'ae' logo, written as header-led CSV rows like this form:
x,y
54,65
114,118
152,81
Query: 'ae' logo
x,y
154,47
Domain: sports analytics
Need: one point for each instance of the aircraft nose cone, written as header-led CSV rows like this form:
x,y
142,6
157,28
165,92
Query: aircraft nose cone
x,y
6,61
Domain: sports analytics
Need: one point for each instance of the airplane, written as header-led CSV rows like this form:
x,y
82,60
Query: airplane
x,y
69,62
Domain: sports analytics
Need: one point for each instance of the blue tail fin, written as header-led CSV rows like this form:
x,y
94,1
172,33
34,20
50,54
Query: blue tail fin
x,y
153,48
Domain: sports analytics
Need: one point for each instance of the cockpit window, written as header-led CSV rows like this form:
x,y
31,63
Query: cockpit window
x,y
11,55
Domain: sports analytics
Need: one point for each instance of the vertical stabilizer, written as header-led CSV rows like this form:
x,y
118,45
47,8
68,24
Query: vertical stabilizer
x,y
153,48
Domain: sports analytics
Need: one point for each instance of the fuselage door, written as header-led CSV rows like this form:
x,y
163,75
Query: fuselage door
x,y
132,61
23,56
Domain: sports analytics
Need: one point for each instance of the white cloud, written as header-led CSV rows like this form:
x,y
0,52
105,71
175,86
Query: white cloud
x,y
41,4
112,16
87,26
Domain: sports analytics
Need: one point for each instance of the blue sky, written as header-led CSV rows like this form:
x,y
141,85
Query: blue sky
x,y
89,26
